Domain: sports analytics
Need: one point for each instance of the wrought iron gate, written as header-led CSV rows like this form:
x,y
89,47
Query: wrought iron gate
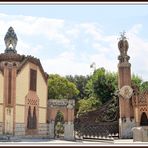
x,y
101,123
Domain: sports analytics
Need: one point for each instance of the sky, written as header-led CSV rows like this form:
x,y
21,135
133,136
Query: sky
x,y
69,38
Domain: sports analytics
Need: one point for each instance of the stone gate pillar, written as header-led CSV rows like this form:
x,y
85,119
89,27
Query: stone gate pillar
x,y
126,120
51,129
69,131
69,125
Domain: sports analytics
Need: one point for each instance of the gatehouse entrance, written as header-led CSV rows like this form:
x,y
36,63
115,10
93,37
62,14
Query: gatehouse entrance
x,y
59,125
61,119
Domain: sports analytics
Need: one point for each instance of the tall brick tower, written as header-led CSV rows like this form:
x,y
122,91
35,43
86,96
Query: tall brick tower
x,y
126,120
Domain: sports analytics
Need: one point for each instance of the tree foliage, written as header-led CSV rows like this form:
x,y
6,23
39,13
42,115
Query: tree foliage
x,y
80,82
86,105
59,124
102,84
139,83
144,86
89,91
60,88
136,81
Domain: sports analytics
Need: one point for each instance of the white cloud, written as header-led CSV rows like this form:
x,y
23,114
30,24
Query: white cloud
x,y
66,64
105,54
35,26
71,38
92,29
28,49
135,29
138,51
102,61
73,32
69,64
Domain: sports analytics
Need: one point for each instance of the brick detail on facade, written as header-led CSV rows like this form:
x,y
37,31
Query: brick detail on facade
x,y
31,101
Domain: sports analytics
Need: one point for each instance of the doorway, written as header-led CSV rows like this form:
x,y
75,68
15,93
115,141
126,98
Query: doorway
x,y
144,120
59,125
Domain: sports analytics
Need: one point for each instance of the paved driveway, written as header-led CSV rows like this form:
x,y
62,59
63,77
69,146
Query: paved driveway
x,y
45,142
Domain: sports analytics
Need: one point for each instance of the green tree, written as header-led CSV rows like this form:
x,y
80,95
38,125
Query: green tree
x,y
60,88
80,82
102,85
86,105
136,81
144,86
89,91
139,83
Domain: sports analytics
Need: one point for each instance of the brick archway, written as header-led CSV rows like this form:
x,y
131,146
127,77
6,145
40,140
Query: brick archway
x,y
67,108
59,125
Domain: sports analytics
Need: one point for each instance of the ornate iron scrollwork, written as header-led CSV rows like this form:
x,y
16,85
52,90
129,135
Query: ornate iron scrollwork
x,y
101,122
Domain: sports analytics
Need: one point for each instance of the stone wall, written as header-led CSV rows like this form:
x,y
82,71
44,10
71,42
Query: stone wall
x,y
125,129
19,129
69,131
51,129
140,134
43,130
1,128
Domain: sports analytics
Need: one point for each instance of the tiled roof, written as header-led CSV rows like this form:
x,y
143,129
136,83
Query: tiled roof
x,y
23,60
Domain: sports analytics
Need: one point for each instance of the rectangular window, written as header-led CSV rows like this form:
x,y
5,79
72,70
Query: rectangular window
x,y
33,79
9,86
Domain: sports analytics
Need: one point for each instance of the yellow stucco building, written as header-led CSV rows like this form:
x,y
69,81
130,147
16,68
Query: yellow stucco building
x,y
23,92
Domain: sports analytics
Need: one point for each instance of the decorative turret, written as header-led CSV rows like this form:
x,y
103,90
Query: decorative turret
x,y
123,48
10,41
124,65
126,121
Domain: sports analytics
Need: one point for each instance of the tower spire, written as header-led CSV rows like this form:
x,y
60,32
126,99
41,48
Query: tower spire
x,y
10,41
125,90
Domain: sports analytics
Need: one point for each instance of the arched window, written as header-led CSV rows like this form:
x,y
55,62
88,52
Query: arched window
x,y
29,118
34,121
144,120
